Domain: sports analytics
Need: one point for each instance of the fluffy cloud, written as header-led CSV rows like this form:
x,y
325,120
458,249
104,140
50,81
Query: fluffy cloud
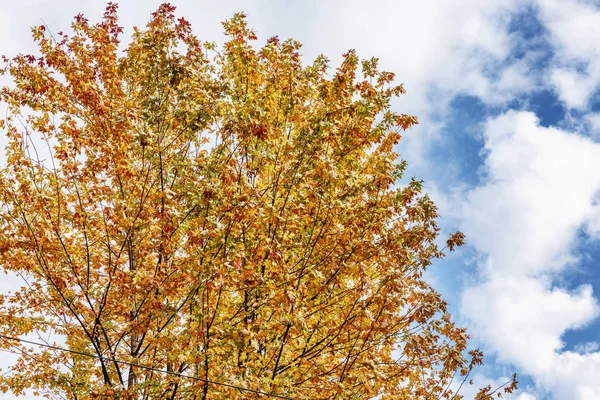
x,y
593,121
574,88
574,27
446,47
541,188
542,184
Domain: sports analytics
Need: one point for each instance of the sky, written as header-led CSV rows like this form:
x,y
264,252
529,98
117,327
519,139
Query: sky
x,y
507,93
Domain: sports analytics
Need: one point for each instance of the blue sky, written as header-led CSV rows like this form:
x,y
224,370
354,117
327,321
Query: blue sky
x,y
508,98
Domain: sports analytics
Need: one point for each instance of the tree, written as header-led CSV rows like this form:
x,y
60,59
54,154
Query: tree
x,y
201,223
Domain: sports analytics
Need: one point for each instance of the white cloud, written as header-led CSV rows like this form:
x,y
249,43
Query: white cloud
x,y
541,188
593,121
574,28
449,46
587,347
514,79
525,396
524,318
574,88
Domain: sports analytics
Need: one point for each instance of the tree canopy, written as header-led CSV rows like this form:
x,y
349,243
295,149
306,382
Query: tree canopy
x,y
203,222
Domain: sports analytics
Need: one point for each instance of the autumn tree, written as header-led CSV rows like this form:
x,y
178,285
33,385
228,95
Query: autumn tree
x,y
194,222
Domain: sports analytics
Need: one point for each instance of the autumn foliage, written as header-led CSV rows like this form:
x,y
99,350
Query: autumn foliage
x,y
190,219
